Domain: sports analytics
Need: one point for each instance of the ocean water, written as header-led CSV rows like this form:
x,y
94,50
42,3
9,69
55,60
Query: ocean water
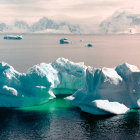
x,y
107,51
56,120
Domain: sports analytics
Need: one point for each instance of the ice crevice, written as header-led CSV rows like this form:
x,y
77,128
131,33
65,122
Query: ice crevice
x,y
97,91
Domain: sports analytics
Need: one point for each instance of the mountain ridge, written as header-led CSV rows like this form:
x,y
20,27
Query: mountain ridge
x,y
121,22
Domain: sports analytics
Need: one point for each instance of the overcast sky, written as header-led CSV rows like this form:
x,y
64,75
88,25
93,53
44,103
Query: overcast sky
x,y
71,10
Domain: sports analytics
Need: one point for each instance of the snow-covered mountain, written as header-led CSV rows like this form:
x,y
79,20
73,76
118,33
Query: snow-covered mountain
x,y
47,25
3,27
44,25
121,22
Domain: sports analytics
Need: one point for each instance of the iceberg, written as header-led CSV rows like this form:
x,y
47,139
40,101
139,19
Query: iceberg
x,y
65,41
89,45
40,83
109,90
34,87
97,91
12,37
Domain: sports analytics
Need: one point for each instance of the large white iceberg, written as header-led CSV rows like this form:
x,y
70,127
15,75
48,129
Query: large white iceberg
x,y
96,91
109,90
40,83
34,87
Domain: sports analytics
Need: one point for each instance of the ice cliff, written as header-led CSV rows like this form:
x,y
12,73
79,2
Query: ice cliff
x,y
40,83
109,90
71,76
94,90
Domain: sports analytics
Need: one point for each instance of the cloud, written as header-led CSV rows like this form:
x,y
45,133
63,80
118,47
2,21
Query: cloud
x,y
31,10
17,1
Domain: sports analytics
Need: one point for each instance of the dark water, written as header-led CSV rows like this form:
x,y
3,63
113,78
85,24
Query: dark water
x,y
57,120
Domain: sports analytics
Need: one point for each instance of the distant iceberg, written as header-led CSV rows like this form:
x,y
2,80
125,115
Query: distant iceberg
x,y
12,37
94,90
89,45
65,41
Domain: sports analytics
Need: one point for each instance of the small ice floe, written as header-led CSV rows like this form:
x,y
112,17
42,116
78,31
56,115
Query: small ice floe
x,y
89,45
13,37
65,41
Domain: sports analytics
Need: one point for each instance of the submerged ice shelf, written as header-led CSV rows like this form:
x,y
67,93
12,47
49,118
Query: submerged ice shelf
x,y
94,90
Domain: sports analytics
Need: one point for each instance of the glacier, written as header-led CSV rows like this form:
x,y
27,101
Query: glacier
x,y
98,91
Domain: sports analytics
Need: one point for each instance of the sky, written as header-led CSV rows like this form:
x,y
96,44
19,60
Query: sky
x,y
76,11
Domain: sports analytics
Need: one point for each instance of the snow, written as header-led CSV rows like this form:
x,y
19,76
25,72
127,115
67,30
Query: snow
x,y
121,22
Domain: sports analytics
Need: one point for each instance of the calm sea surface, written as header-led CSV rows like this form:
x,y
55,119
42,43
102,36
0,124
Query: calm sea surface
x,y
56,120
108,51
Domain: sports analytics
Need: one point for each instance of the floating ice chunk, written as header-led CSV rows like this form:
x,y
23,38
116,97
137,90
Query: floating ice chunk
x,y
65,41
13,37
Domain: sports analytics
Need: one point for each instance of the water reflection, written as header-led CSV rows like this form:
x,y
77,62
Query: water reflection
x,y
65,122
108,127
23,125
